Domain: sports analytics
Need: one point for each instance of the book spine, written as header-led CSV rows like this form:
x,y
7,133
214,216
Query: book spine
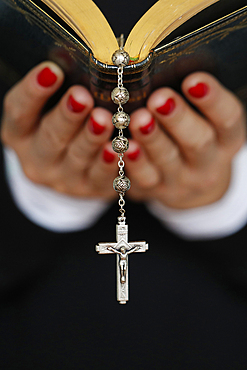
x,y
137,80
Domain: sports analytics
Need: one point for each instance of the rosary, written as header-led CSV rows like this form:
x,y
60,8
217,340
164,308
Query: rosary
x,y
122,248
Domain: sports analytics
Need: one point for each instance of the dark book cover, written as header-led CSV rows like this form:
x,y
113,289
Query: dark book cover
x,y
213,41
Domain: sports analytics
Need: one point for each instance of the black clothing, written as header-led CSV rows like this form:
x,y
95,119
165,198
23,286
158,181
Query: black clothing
x,y
187,307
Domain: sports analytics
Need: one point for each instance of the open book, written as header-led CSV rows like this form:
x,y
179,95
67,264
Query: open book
x,y
173,38
86,19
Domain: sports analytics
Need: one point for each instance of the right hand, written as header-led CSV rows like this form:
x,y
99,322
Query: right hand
x,y
182,153
68,148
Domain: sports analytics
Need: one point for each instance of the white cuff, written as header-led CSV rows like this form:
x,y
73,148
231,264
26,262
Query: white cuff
x,y
46,207
217,220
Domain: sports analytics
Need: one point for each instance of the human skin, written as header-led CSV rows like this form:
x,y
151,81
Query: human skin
x,y
179,156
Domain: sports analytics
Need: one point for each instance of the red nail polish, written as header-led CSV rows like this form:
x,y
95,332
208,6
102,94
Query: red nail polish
x,y
134,155
167,108
74,105
95,127
46,77
199,90
108,156
148,128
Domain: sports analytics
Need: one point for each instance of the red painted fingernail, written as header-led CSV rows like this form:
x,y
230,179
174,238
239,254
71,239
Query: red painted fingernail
x,y
167,108
134,155
74,105
108,156
199,90
148,128
95,127
46,77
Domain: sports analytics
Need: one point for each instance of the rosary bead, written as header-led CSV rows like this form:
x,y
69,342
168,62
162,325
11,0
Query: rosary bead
x,y
120,58
121,184
120,144
120,95
121,120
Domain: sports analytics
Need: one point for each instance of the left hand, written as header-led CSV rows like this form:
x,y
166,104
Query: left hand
x,y
67,148
182,156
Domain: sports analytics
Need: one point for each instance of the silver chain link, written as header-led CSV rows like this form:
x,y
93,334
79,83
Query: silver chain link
x,y
121,203
121,58
120,77
121,163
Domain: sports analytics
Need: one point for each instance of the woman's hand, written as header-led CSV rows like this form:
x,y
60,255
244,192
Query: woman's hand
x,y
68,148
178,156
182,156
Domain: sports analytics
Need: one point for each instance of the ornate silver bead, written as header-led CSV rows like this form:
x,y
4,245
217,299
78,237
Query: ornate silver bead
x,y
120,95
120,144
120,58
121,184
121,120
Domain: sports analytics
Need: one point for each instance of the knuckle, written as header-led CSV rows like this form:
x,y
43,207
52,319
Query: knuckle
x,y
54,139
80,158
171,156
237,115
8,102
76,156
203,143
13,112
239,112
149,182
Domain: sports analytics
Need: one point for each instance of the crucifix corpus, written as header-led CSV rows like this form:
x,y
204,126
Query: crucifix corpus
x,y
122,248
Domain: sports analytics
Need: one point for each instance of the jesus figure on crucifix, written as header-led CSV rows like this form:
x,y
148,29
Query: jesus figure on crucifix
x,y
122,248
123,253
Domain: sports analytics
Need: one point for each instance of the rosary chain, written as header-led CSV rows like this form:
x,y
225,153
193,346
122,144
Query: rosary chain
x,y
120,76
120,120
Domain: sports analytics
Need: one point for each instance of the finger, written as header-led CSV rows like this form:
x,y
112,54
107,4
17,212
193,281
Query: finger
x,y
142,173
159,148
219,105
59,126
103,171
89,141
195,137
24,102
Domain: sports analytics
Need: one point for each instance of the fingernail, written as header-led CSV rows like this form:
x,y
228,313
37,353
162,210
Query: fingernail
x,y
199,90
74,105
134,155
148,128
167,108
95,127
108,156
46,77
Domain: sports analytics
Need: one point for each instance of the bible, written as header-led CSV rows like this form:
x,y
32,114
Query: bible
x,y
172,39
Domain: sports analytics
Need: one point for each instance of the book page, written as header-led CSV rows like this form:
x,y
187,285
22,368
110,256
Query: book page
x,y
158,22
85,18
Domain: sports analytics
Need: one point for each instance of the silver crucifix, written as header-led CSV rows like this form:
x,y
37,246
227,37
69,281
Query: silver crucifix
x,y
122,248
